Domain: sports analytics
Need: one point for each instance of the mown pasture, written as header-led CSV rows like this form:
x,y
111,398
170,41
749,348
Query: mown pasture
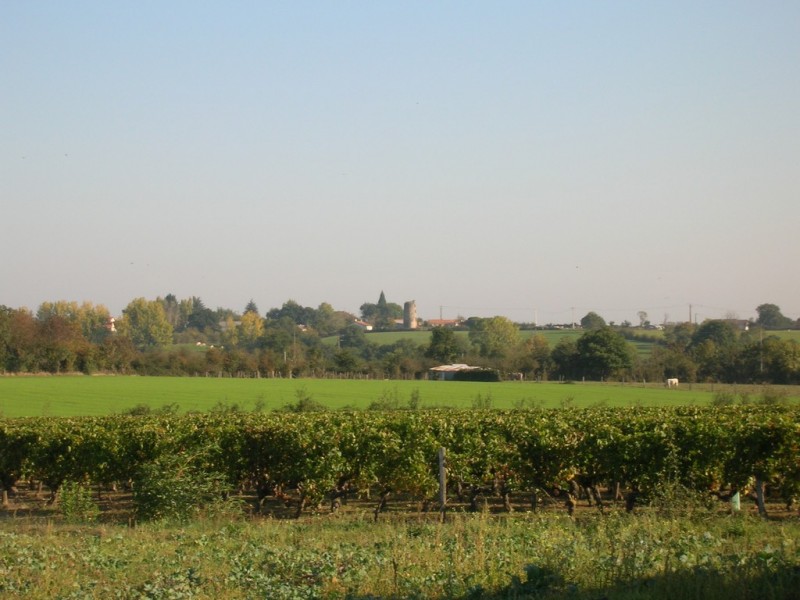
x,y
103,395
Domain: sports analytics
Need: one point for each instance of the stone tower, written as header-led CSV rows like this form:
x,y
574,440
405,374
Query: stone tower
x,y
410,315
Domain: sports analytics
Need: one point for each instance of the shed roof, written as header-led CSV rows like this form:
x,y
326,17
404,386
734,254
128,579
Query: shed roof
x,y
453,368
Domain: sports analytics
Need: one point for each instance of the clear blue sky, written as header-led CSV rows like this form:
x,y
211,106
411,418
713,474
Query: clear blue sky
x,y
514,158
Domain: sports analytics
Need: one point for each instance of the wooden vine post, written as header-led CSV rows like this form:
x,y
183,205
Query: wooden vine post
x,y
442,484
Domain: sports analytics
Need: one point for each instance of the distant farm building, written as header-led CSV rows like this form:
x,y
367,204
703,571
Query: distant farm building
x,y
740,324
445,322
364,325
461,372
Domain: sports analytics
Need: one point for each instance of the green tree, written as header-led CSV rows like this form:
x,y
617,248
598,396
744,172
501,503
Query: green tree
x,y
172,311
328,321
592,321
5,337
251,307
665,362
145,323
603,353
679,337
533,358
300,315
717,331
770,317
770,360
714,348
346,360
494,337
401,359
565,358
444,346
383,314
202,318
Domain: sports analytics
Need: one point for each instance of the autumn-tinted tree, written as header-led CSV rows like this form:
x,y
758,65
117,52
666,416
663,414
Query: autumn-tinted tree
x,y
534,358
145,323
251,328
117,354
91,320
61,347
493,337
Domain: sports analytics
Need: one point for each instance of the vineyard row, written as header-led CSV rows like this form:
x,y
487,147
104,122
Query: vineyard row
x,y
329,455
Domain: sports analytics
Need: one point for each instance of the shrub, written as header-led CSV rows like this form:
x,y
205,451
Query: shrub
x,y
723,399
481,401
77,504
174,487
672,499
305,403
388,400
415,401
772,397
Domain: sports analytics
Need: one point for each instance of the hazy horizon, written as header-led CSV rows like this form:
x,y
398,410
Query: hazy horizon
x,y
526,159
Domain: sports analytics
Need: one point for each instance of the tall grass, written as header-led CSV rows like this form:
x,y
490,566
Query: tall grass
x,y
541,556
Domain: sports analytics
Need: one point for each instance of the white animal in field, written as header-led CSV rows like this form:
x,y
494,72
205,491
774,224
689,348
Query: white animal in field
x,y
672,383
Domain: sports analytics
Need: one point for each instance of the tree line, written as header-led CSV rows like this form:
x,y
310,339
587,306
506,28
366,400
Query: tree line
x,y
171,336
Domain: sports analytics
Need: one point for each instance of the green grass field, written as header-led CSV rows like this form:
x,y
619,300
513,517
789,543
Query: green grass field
x,y
423,338
553,336
102,395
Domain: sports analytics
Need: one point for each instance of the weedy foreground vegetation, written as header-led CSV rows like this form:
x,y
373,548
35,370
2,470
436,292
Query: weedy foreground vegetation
x,y
702,555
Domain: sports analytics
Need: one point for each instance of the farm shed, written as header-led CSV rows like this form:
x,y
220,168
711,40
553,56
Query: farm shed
x,y
461,372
